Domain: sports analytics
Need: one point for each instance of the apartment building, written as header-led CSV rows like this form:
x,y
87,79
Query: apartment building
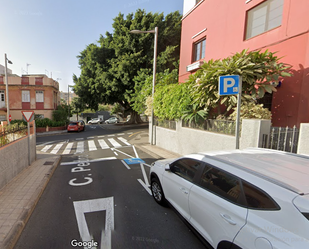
x,y
36,93
216,29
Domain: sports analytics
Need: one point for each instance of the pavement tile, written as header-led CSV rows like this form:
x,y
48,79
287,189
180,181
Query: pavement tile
x,y
18,198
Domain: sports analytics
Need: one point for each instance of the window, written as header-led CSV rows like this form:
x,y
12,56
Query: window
x,y
2,96
199,50
39,80
264,17
257,199
25,81
221,183
2,99
186,168
25,96
39,97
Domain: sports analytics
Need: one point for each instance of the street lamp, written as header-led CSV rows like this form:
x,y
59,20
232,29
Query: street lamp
x,y
69,100
7,88
155,32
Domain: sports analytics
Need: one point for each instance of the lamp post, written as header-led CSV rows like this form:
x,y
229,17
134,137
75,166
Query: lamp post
x,y
69,101
155,32
7,88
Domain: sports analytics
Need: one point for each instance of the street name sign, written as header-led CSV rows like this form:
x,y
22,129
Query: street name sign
x,y
229,84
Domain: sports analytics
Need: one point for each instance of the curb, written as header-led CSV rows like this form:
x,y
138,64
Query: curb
x,y
17,229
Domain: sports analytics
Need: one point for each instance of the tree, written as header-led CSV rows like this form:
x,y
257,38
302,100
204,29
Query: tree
x,y
61,114
143,86
77,106
257,69
108,69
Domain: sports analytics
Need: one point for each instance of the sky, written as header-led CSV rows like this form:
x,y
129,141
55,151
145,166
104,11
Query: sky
x,y
50,34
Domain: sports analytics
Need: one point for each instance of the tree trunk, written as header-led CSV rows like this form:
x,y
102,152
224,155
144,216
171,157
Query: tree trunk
x,y
135,118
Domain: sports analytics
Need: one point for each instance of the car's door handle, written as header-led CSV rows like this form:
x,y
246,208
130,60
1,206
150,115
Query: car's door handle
x,y
185,191
228,219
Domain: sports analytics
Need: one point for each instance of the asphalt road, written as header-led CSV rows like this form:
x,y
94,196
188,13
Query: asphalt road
x,y
98,198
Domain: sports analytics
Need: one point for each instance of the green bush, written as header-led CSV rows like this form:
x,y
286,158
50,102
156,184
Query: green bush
x,y
19,122
43,122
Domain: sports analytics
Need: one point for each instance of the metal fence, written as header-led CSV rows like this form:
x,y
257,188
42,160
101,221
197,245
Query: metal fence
x,y
11,133
285,139
170,124
214,125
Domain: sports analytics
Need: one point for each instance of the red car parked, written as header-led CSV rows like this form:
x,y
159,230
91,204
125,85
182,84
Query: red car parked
x,y
76,126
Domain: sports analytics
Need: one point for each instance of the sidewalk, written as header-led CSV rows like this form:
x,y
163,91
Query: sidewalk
x,y
20,196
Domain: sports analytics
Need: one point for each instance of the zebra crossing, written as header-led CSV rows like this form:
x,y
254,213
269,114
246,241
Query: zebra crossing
x,y
82,145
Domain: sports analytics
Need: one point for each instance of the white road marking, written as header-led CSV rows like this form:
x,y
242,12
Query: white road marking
x,y
144,174
136,155
120,134
95,205
112,135
124,140
114,142
147,165
67,149
103,144
101,136
89,161
79,139
91,145
113,149
80,147
125,164
90,137
46,148
56,148
144,185
130,132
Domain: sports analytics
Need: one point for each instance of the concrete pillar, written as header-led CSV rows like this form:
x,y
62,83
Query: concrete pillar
x,y
252,131
303,139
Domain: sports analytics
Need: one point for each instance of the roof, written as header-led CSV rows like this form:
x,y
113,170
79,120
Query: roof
x,y
288,170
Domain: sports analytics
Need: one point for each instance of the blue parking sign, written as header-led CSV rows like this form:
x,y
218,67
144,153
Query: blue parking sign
x,y
229,85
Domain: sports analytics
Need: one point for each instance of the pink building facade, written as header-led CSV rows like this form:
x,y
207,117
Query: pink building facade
x,y
215,29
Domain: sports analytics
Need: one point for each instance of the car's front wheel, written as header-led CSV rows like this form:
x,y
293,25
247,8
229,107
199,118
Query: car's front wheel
x,y
157,192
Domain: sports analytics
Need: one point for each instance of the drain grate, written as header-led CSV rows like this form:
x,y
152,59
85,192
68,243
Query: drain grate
x,y
48,163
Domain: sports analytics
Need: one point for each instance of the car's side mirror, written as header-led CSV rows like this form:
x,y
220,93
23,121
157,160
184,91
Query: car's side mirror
x,y
168,167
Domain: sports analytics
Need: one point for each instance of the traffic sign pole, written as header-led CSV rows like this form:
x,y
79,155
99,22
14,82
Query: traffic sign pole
x,y
238,112
231,85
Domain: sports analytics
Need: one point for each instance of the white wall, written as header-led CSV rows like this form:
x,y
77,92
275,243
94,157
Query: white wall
x,y
188,5
185,140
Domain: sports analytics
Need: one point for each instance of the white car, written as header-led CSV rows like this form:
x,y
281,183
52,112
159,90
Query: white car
x,y
95,121
112,120
250,199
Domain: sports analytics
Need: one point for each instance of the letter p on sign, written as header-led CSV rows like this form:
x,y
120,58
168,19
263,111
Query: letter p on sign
x,y
229,85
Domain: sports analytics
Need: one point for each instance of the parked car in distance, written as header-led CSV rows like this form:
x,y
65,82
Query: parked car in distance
x,y
95,121
112,120
76,126
253,198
